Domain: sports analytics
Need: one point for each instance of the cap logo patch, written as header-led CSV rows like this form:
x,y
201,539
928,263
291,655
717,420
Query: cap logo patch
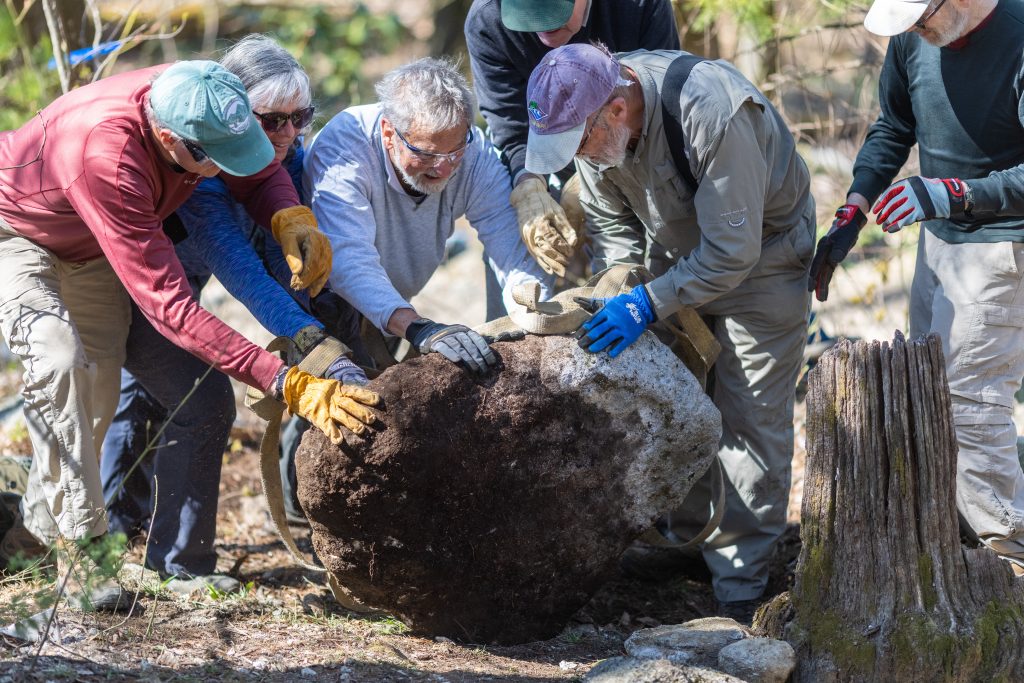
x,y
535,111
236,115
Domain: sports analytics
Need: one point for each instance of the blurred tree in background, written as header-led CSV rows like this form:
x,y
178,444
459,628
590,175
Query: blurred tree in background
x,y
812,59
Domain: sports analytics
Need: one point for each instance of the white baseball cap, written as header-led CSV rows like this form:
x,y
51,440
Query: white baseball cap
x,y
892,17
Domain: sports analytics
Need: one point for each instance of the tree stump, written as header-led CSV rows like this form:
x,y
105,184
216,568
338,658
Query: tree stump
x,y
884,589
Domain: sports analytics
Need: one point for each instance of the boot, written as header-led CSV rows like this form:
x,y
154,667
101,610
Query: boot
x,y
90,584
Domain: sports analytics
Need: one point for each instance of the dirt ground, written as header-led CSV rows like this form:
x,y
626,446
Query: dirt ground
x,y
286,627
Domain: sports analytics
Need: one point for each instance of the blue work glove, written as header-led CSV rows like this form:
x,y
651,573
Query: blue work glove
x,y
618,323
346,372
920,199
833,248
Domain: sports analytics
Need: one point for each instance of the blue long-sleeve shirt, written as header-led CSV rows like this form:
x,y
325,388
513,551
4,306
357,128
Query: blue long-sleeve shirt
x,y
223,241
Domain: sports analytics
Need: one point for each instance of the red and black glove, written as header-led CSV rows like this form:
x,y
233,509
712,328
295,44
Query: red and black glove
x,y
833,248
920,199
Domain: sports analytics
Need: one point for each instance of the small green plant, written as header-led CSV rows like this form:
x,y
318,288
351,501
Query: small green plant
x,y
388,626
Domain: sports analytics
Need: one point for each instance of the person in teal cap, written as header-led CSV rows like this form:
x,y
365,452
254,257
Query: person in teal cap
x,y
84,191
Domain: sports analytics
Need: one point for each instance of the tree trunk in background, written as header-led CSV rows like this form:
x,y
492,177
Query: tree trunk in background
x,y
884,590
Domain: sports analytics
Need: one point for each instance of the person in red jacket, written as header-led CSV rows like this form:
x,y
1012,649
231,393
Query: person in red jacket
x,y
84,188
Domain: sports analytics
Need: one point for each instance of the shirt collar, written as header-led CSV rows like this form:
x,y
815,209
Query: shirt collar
x,y
586,14
965,40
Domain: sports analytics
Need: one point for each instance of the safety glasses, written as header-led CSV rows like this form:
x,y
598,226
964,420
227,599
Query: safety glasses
x,y
435,158
273,121
589,130
920,23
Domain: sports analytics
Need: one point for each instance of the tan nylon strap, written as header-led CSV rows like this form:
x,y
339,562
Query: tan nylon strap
x,y
655,537
315,363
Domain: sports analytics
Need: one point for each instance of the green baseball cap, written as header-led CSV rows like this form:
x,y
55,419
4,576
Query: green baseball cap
x,y
535,16
203,102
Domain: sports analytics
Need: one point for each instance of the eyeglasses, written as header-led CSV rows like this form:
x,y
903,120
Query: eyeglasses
x,y
589,130
274,121
435,158
920,23
199,154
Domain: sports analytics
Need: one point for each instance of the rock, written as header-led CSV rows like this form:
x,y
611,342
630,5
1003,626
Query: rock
x,y
696,642
491,509
632,670
758,660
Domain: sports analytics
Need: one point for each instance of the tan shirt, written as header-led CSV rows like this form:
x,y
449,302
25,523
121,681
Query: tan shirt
x,y
753,187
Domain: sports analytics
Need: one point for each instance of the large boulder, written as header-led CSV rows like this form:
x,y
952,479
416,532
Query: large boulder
x,y
490,509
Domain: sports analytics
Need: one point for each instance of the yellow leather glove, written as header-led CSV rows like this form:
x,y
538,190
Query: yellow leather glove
x,y
306,249
328,402
547,234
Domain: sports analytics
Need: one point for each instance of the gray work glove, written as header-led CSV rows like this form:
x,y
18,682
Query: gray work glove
x,y
457,343
346,372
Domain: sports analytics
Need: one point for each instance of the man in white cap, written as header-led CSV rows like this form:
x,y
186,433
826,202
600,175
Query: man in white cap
x,y
696,176
84,189
953,84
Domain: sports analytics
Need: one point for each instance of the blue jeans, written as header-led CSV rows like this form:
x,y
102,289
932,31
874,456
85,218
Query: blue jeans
x,y
178,479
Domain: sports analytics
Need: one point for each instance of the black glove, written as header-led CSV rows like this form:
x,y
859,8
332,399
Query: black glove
x,y
457,343
833,248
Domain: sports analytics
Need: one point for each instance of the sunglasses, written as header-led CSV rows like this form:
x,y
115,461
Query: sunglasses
x,y
435,158
199,154
274,121
920,23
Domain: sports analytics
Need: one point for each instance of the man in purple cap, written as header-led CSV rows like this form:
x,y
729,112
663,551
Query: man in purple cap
x,y
506,40
84,189
729,234
953,84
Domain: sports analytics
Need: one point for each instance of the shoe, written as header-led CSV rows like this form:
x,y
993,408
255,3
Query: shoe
x,y
17,544
89,582
653,563
740,611
221,584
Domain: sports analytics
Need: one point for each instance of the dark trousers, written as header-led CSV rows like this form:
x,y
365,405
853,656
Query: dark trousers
x,y
177,480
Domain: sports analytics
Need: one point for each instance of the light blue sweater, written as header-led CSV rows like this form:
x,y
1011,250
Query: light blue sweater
x,y
387,243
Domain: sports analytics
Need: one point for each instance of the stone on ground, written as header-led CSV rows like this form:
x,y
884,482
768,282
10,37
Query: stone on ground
x,y
491,509
758,660
695,642
631,670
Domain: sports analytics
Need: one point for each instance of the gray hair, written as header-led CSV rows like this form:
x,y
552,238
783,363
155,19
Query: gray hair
x,y
429,94
270,74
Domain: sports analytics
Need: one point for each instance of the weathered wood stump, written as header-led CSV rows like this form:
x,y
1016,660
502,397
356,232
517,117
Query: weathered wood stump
x,y
490,509
884,589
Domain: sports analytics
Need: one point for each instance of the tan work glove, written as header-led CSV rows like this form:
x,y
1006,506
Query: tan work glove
x,y
542,223
327,402
306,249
570,203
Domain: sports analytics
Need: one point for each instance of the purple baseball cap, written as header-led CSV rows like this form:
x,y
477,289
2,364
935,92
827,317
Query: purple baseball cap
x,y
569,84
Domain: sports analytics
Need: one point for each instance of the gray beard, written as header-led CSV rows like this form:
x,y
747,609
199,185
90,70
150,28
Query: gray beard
x,y
955,31
613,152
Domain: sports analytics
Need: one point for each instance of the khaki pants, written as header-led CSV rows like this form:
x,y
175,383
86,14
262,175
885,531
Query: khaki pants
x,y
67,322
762,327
972,296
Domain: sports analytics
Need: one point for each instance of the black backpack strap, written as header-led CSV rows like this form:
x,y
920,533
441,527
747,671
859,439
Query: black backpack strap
x,y
675,78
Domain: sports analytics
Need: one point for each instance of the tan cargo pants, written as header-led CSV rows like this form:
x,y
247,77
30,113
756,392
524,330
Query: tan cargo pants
x,y
972,296
68,323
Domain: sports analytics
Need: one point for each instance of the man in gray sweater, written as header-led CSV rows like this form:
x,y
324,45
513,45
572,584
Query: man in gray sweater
x,y
388,181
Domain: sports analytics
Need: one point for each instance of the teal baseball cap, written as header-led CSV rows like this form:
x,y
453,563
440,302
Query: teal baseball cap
x,y
535,16
203,102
